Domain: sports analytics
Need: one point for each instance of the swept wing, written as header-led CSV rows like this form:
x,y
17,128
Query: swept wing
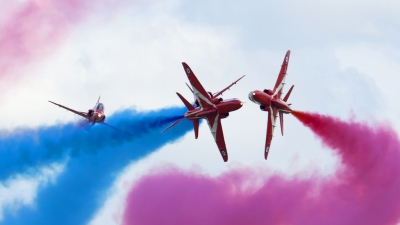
x,y
83,114
198,91
214,122
280,82
272,116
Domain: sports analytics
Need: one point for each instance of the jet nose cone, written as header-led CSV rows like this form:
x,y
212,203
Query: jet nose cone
x,y
239,104
251,95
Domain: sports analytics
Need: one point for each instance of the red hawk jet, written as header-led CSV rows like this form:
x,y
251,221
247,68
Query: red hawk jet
x,y
208,106
270,101
93,116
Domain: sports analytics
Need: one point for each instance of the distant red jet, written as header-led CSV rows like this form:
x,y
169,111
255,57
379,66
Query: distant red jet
x,y
93,116
270,101
208,106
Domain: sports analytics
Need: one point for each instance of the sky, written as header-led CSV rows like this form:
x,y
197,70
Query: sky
x,y
344,63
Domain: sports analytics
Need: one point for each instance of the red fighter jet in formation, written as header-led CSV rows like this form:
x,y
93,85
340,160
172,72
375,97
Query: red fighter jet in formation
x,y
208,106
270,101
93,116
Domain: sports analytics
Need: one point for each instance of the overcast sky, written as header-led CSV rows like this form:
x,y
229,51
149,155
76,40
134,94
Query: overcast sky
x,y
345,62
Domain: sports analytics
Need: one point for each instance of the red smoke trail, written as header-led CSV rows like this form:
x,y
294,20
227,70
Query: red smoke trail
x,y
365,189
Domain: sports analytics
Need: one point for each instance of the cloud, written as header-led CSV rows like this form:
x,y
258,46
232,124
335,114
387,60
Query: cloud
x,y
95,158
364,189
33,29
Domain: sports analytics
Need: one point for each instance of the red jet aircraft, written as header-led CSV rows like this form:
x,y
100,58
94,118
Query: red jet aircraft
x,y
93,116
270,101
208,106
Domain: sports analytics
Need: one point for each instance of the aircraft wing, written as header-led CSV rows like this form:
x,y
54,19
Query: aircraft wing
x,y
227,88
214,122
272,115
280,82
198,91
83,114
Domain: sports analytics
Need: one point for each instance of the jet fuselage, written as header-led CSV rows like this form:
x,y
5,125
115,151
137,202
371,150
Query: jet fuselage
x,y
266,100
222,108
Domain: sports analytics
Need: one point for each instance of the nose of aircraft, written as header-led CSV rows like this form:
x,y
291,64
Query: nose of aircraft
x,y
238,104
251,94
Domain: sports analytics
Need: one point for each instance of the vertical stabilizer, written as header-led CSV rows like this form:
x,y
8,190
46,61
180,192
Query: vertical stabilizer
x,y
281,121
196,127
98,100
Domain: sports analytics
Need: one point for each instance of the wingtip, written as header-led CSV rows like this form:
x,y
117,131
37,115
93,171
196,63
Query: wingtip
x,y
224,155
266,153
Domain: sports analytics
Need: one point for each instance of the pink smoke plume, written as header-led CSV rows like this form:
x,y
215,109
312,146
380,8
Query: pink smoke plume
x,y
36,27
365,189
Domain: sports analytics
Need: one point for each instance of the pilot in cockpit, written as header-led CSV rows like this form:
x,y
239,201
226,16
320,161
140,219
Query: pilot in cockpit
x,y
100,106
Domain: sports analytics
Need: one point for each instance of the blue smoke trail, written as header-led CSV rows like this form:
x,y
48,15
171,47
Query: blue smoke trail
x,y
95,159
23,150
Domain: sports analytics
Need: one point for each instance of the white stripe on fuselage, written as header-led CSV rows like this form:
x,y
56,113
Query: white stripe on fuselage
x,y
199,96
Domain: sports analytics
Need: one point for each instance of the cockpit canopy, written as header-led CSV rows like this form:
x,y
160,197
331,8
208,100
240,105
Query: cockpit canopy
x,y
100,106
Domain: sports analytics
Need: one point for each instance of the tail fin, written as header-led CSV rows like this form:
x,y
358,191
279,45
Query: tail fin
x,y
98,100
281,121
187,104
196,127
288,94
190,107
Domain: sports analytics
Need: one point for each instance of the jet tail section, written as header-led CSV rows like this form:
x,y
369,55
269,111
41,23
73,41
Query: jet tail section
x,y
288,94
187,104
98,100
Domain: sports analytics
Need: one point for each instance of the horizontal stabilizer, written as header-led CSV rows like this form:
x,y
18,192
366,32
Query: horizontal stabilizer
x,y
288,94
187,104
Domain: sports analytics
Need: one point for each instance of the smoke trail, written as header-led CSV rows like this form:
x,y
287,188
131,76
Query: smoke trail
x,y
33,30
91,170
24,149
363,190
36,27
